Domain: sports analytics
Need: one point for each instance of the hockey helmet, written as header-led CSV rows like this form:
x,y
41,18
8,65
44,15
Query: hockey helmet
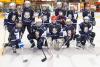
x,y
68,22
27,3
54,19
59,4
1,4
38,21
12,5
44,17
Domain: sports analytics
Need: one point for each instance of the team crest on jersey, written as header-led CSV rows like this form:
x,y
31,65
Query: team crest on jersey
x,y
27,15
86,29
69,33
13,17
54,30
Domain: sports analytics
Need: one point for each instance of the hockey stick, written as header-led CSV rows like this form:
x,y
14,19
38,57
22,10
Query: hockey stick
x,y
45,58
4,42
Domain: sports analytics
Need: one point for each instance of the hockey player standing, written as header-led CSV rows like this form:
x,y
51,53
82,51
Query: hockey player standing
x,y
27,16
11,20
71,12
46,12
61,18
59,9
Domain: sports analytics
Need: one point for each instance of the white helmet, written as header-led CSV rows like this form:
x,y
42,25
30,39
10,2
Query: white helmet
x,y
1,4
86,19
27,3
59,4
12,5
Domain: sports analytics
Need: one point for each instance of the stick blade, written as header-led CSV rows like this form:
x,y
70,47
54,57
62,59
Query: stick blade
x,y
44,59
25,60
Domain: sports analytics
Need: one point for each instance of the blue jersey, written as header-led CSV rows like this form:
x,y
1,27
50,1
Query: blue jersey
x,y
27,16
84,27
12,18
15,34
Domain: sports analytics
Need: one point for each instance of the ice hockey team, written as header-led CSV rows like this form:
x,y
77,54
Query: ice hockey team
x,y
42,25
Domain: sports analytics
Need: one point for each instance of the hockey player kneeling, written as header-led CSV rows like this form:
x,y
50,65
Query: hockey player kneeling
x,y
86,33
69,28
37,31
16,41
55,32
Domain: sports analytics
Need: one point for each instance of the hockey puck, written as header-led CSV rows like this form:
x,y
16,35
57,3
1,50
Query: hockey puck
x,y
25,60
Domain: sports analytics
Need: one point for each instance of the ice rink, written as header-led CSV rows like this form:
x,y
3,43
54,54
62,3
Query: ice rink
x,y
66,57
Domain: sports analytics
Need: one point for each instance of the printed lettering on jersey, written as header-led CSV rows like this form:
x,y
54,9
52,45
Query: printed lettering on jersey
x,y
27,15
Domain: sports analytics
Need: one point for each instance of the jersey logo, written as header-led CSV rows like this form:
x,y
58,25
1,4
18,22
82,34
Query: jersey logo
x,y
86,29
27,15
54,30
13,18
69,33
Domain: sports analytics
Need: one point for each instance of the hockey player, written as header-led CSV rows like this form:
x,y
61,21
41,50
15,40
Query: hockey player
x,y
16,41
71,12
69,28
54,28
85,12
46,12
86,33
37,31
59,9
61,18
45,21
27,16
92,17
74,24
11,20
